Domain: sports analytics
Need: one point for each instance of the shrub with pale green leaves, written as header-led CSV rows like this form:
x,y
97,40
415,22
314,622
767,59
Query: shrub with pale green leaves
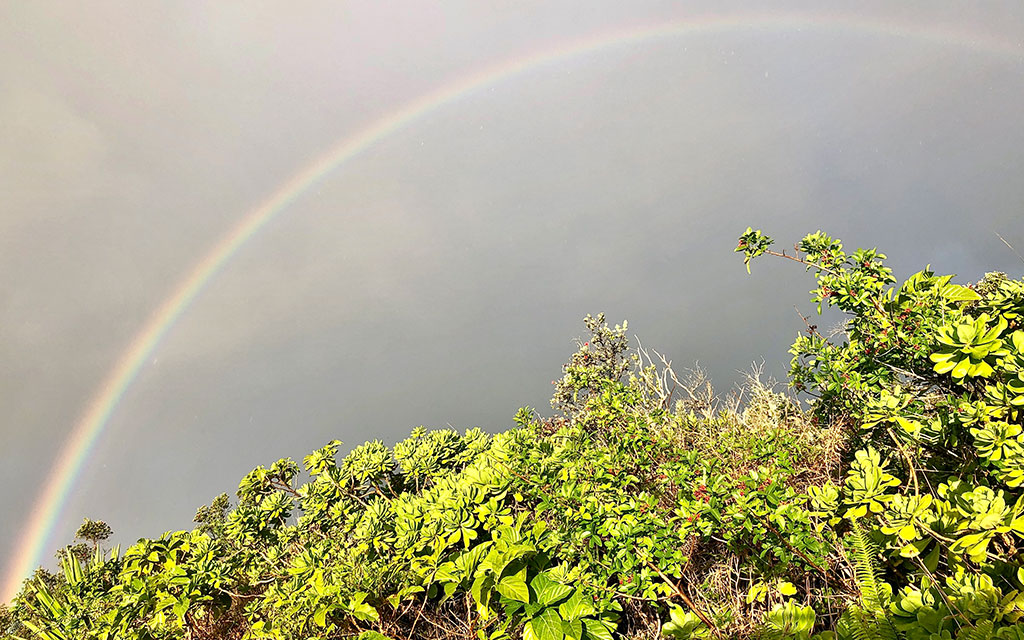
x,y
645,507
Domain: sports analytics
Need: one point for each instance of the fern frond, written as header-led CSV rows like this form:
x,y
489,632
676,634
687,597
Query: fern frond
x,y
853,625
875,592
982,630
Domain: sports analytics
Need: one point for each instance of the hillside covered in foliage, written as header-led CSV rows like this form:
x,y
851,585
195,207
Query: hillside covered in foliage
x,y
644,507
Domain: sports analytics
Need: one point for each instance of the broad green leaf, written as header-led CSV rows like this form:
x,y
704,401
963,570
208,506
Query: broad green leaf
x,y
514,553
548,591
529,633
573,629
514,587
546,626
578,606
597,629
363,611
470,560
944,366
481,589
320,616
910,426
959,293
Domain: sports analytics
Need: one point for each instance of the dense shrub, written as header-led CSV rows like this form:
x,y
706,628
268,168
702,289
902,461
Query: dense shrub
x,y
928,378
645,506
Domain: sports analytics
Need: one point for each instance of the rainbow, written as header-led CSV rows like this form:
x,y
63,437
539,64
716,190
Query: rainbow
x,y
49,505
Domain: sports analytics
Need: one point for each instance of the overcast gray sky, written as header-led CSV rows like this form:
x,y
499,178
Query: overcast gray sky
x,y
439,277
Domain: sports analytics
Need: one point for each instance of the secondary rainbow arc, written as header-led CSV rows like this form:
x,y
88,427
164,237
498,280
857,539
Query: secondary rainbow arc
x,y
47,508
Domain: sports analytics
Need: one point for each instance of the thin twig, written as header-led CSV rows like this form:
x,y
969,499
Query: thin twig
x,y
909,460
1009,245
679,591
783,254
824,573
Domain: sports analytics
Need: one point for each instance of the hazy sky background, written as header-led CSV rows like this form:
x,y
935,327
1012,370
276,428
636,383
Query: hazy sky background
x,y
439,277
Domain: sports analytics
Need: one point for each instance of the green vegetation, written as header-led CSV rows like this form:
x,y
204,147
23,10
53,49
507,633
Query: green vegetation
x,y
644,507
